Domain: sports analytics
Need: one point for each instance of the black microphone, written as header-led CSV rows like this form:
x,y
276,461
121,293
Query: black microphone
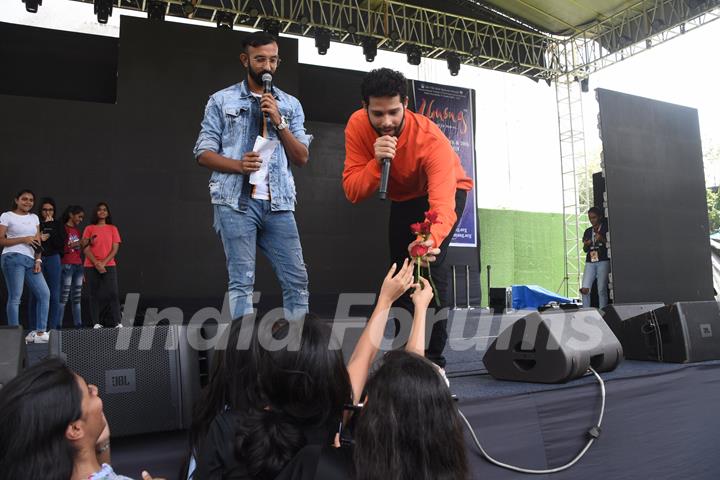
x,y
267,82
382,194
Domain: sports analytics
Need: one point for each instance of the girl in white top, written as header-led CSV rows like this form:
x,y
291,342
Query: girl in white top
x,y
21,261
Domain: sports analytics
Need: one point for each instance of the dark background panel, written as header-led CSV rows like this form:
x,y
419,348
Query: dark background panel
x,y
137,156
656,200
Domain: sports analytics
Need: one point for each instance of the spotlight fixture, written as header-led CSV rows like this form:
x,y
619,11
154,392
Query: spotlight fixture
x,y
272,27
32,5
156,10
394,36
369,46
648,43
351,29
225,20
453,62
103,10
682,28
475,51
322,40
585,84
437,42
188,8
414,54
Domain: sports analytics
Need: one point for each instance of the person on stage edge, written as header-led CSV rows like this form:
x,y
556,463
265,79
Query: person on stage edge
x,y
21,263
100,266
425,174
52,235
597,262
72,264
256,210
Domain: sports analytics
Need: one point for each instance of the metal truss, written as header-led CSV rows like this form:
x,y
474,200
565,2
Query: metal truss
x,y
573,166
393,24
638,28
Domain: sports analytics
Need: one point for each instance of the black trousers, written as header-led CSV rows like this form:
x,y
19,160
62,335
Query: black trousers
x,y
402,215
102,290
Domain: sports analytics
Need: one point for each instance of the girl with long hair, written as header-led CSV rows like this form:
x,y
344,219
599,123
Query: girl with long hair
x,y
21,263
52,235
72,269
100,267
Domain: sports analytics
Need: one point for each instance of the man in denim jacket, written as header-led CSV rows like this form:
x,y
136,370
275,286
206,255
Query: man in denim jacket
x,y
247,215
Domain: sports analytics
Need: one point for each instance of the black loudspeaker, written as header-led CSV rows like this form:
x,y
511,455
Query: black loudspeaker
x,y
12,353
499,299
553,347
148,377
678,333
618,313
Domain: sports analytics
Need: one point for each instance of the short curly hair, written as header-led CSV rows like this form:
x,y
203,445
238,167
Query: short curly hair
x,y
383,82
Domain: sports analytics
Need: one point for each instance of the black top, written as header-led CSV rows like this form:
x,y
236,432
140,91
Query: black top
x,y
596,243
317,462
56,243
216,459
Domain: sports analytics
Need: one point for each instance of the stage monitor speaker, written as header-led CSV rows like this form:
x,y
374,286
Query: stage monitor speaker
x,y
148,377
678,333
499,299
618,313
553,347
12,353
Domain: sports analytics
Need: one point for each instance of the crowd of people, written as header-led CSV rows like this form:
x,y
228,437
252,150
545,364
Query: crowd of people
x,y
266,413
51,254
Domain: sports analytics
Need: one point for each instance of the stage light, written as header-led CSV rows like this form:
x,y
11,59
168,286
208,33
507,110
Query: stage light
x,y
272,27
585,84
225,20
476,51
394,36
351,29
188,8
369,46
437,41
648,43
32,5
103,10
156,10
322,40
414,54
453,63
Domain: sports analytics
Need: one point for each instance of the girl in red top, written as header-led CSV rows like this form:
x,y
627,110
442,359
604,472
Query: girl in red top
x,y
72,268
100,274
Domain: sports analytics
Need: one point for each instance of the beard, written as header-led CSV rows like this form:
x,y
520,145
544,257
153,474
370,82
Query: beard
x,y
396,133
257,76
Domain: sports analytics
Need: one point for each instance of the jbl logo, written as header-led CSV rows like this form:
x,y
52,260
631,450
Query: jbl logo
x,y
706,330
120,381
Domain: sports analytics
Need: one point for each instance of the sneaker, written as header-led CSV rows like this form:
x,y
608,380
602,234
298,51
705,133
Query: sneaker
x,y
42,337
119,325
97,325
30,337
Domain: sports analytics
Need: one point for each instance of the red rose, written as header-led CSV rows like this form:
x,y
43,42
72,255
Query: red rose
x,y
416,228
419,250
425,227
431,216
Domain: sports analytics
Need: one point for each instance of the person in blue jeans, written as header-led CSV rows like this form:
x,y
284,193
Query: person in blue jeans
x,y
72,273
52,234
597,262
21,263
254,203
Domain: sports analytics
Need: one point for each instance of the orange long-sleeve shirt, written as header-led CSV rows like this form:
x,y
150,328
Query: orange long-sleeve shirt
x,y
424,164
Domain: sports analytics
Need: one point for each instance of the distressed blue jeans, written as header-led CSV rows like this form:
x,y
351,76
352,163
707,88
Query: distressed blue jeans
x,y
72,282
276,234
18,270
599,271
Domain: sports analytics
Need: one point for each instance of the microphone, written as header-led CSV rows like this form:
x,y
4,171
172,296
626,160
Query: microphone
x,y
267,82
382,193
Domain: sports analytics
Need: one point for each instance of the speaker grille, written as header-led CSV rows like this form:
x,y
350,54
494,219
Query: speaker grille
x,y
148,403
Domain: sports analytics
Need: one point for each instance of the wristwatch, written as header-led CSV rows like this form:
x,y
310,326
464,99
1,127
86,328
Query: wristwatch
x,y
282,125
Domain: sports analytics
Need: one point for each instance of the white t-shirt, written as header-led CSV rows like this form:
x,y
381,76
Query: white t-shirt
x,y
262,188
20,226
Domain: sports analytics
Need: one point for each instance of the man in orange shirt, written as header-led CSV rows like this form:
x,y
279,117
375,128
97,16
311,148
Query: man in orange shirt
x,y
425,174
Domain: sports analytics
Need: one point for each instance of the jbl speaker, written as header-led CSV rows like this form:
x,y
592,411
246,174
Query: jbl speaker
x,y
553,347
148,377
12,353
499,299
677,333
618,313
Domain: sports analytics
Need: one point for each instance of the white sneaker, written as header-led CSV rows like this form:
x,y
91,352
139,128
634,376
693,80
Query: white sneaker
x,y
42,337
119,325
97,325
30,337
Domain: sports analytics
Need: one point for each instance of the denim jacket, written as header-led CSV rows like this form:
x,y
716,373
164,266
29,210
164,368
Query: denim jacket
x,y
231,124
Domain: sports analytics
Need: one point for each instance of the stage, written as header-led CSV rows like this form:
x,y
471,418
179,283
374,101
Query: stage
x,y
664,414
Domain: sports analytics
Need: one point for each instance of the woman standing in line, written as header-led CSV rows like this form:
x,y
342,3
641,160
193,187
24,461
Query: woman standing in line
x,y
72,269
21,263
100,267
52,235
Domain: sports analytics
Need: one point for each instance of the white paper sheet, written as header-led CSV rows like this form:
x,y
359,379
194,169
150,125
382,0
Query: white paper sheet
x,y
265,148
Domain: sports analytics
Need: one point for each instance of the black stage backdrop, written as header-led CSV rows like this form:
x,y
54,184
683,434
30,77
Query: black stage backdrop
x,y
79,147
656,200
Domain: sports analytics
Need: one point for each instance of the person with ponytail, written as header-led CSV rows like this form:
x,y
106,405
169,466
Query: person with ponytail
x,y
72,269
